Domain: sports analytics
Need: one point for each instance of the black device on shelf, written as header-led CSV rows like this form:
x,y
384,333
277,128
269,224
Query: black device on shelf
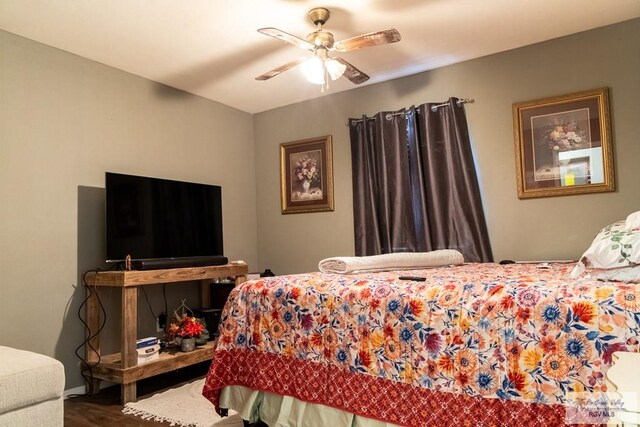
x,y
162,223
220,291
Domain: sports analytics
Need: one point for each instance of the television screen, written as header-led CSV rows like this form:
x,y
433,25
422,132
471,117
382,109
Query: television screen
x,y
152,218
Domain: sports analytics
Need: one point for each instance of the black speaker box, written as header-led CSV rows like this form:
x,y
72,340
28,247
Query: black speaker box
x,y
211,317
220,292
164,263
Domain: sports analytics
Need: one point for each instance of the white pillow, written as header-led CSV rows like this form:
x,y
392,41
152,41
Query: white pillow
x,y
613,247
633,221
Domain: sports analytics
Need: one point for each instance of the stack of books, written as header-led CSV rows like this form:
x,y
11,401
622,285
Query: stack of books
x,y
148,349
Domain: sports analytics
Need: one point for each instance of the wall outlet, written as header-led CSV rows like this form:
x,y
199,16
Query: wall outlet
x,y
161,322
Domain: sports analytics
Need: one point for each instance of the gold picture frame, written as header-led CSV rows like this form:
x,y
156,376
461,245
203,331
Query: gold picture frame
x,y
563,145
306,175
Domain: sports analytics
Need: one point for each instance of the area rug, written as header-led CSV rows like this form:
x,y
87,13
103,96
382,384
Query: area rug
x,y
182,406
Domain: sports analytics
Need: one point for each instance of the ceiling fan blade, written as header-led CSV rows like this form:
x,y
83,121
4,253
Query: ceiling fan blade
x,y
280,69
286,37
352,73
367,40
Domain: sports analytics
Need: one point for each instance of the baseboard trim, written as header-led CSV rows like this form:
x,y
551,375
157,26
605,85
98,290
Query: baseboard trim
x,y
82,390
74,391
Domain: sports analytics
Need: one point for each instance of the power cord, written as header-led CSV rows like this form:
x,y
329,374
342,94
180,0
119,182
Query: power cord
x,y
166,309
161,319
148,303
87,367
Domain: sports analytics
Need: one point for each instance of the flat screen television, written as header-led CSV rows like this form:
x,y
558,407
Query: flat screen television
x,y
162,223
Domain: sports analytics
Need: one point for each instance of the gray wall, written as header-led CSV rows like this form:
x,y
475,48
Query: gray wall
x,y
549,228
64,121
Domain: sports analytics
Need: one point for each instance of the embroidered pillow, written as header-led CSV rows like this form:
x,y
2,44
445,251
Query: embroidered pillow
x,y
614,246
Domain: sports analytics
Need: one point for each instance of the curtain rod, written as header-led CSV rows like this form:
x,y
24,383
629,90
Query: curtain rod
x,y
459,103
434,108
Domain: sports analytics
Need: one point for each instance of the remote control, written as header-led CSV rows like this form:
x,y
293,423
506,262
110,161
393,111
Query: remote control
x,y
414,278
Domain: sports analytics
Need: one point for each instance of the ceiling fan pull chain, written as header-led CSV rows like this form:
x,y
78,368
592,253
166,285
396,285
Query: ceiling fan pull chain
x,y
326,77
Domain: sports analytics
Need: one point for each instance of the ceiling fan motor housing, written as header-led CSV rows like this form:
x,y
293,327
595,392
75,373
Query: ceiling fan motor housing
x,y
321,38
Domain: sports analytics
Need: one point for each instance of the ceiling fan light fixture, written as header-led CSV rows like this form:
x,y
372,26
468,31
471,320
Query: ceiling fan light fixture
x,y
313,70
335,68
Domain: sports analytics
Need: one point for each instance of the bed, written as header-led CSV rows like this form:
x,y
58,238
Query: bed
x,y
473,344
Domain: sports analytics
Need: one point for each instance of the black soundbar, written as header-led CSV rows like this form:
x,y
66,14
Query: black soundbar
x,y
163,263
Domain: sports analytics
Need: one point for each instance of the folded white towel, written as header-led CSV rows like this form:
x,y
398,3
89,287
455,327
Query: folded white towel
x,y
386,262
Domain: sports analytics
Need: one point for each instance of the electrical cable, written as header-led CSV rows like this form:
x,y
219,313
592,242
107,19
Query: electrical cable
x,y
149,303
87,368
166,308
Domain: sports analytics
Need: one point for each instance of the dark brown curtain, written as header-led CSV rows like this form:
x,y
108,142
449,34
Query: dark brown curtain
x,y
415,187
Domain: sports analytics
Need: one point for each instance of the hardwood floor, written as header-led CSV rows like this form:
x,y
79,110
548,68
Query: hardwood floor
x,y
105,409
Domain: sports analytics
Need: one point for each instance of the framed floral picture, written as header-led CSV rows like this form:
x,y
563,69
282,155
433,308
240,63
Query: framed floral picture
x,y
306,175
563,145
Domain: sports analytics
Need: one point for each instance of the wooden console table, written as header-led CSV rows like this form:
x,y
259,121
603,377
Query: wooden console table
x,y
122,367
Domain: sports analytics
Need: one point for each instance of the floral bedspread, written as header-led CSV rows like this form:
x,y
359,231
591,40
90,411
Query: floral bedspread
x,y
514,332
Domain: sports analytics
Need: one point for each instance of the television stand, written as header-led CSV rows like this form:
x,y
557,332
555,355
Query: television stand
x,y
122,367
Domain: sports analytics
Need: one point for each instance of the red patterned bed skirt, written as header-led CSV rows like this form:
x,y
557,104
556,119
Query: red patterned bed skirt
x,y
369,396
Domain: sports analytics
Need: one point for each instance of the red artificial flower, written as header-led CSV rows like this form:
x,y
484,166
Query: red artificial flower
x,y
187,327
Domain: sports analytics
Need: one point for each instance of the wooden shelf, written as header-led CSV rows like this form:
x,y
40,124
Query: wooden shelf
x,y
170,275
111,367
122,367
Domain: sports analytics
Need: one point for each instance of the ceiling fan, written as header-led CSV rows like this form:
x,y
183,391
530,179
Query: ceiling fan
x,y
319,67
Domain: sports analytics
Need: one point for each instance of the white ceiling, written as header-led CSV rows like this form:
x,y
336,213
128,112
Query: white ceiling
x,y
211,47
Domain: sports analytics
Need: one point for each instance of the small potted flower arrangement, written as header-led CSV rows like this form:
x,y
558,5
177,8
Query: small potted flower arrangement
x,y
187,328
